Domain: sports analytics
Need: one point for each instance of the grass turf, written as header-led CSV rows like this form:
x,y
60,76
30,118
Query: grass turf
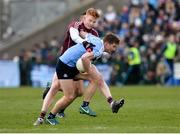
x,y
146,109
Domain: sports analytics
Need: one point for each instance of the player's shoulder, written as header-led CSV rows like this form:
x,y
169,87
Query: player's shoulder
x,y
95,32
74,23
94,40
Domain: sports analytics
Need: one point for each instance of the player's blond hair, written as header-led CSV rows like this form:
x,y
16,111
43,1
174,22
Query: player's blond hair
x,y
93,12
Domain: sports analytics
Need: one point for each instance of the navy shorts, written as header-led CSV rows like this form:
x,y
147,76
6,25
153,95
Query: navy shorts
x,y
64,71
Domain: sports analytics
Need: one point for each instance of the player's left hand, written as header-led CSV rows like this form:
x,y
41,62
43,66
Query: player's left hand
x,y
88,46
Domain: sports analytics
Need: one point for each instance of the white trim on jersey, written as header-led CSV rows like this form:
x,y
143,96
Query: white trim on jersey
x,y
74,33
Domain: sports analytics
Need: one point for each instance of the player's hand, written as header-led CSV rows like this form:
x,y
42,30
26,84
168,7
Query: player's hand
x,y
88,46
83,34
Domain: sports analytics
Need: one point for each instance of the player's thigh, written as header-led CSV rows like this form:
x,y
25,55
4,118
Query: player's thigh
x,y
55,78
56,82
94,76
68,87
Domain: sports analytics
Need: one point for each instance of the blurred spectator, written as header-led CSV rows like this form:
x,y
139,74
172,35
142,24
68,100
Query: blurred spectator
x,y
25,66
162,73
170,51
119,70
134,60
110,15
124,17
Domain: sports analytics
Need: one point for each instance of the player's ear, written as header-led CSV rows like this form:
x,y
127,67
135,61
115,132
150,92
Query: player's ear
x,y
106,45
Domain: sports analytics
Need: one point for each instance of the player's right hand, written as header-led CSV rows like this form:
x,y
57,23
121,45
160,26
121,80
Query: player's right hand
x,y
83,33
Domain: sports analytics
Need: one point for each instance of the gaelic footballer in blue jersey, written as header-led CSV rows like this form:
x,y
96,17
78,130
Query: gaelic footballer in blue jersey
x,y
66,71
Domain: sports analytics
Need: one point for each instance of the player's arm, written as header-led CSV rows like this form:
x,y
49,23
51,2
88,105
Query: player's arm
x,y
83,34
86,60
88,46
75,36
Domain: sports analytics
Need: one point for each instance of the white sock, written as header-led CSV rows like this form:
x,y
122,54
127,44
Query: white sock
x,y
40,119
111,103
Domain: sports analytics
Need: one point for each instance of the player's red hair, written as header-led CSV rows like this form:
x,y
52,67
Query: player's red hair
x,y
93,12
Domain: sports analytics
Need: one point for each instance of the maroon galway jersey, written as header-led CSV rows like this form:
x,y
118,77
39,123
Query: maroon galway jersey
x,y
68,42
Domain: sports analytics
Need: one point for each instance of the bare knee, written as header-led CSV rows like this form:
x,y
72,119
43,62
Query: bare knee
x,y
99,81
71,97
55,85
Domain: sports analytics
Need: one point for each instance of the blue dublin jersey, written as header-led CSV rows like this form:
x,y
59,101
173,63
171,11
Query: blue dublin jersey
x,y
71,55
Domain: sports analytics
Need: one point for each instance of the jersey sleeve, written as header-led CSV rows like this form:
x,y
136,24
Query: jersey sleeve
x,y
74,24
99,47
97,52
74,33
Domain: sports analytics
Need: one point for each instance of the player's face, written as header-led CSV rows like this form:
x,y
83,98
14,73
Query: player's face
x,y
111,48
89,21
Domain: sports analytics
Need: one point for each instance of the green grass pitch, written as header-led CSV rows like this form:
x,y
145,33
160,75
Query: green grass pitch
x,y
146,109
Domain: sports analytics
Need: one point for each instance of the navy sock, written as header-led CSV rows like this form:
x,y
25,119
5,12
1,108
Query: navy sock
x,y
51,116
61,111
85,104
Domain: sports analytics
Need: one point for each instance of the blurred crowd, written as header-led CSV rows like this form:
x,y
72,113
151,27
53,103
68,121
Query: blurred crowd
x,y
148,23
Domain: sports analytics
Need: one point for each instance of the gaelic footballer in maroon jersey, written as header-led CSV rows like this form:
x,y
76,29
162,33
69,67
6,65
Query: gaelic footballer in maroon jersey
x,y
86,25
